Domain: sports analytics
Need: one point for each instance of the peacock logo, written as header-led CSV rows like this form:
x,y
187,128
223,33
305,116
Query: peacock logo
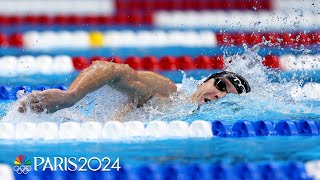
x,y
22,165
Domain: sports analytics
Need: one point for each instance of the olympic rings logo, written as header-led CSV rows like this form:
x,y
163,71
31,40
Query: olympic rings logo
x,y
21,169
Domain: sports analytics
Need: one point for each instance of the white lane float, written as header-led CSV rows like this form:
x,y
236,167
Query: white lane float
x,y
6,172
7,130
91,130
113,130
200,128
236,19
47,131
134,129
26,130
157,129
313,169
179,129
70,130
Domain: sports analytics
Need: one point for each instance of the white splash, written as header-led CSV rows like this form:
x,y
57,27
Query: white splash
x,y
266,101
98,106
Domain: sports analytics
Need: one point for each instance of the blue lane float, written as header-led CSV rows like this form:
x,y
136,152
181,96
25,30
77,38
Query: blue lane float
x,y
286,128
10,93
249,171
308,128
265,128
221,129
243,129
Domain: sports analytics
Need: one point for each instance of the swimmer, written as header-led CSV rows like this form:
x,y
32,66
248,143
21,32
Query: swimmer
x,y
139,86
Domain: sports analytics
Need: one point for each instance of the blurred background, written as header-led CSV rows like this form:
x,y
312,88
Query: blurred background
x,y
45,43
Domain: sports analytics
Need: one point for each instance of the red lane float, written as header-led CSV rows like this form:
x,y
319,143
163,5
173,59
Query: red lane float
x,y
203,62
286,39
253,38
224,39
3,40
134,62
302,38
238,38
271,61
185,63
40,19
115,59
217,62
152,63
272,38
315,37
16,40
26,65
119,18
80,63
171,5
168,63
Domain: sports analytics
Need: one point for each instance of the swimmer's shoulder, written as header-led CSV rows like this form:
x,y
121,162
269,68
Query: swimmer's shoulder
x,y
160,85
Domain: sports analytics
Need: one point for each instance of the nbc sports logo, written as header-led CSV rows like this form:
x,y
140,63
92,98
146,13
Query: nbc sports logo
x,y
21,165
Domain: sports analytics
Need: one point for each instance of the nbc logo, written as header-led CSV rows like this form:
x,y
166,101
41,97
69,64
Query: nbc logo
x,y
21,165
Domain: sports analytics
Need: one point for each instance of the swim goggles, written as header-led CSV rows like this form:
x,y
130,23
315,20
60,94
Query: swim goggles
x,y
241,84
219,84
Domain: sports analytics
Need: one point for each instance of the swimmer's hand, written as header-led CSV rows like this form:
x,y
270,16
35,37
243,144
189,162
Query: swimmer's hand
x,y
49,101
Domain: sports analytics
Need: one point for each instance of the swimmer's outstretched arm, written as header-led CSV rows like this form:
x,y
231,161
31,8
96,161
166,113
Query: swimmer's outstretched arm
x,y
96,76
136,84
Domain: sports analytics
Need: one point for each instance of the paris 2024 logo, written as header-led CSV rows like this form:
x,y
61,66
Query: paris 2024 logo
x,y
22,165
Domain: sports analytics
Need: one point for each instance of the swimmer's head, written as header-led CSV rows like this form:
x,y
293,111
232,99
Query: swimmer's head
x,y
218,85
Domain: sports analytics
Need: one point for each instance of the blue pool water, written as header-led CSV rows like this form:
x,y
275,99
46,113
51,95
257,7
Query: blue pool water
x,y
231,108
230,150
269,100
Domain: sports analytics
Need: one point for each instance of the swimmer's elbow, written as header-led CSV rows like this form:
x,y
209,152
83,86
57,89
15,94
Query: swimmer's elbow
x,y
117,70
172,87
124,71
169,89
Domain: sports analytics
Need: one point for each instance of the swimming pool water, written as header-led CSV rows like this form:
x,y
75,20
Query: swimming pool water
x,y
254,106
232,150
